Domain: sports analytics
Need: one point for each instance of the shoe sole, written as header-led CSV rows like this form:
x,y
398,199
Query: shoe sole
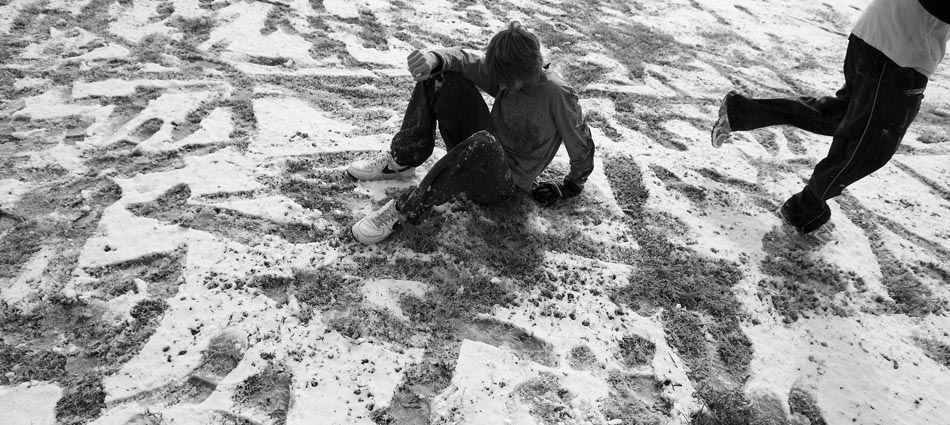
x,y
717,142
824,234
380,177
367,240
716,137
373,240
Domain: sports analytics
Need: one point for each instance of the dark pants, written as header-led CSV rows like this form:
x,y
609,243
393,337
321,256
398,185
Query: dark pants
x,y
867,119
474,164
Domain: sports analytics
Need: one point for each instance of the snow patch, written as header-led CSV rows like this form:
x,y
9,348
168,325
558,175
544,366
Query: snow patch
x,y
10,11
30,279
174,350
900,197
255,69
66,156
215,128
23,83
394,56
855,365
154,68
290,126
338,379
342,8
170,108
30,403
54,104
123,236
485,383
133,22
276,208
71,6
224,171
240,33
386,294
11,190
107,52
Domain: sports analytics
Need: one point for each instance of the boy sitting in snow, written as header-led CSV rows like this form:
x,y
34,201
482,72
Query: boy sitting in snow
x,y
491,155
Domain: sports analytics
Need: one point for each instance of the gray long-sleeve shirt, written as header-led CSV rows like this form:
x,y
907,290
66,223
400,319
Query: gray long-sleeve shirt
x,y
531,123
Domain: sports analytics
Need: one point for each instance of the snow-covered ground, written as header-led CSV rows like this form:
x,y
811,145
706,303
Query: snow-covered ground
x,y
175,247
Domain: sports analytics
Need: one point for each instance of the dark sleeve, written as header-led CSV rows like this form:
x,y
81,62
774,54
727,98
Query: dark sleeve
x,y
471,65
573,129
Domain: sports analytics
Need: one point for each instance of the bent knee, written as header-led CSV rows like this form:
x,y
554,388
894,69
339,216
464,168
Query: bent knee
x,y
878,161
482,141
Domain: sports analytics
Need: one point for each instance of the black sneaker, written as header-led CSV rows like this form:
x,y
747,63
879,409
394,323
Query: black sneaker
x,y
821,229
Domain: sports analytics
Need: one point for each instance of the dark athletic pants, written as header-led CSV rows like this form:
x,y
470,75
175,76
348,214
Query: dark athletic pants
x,y
474,164
867,119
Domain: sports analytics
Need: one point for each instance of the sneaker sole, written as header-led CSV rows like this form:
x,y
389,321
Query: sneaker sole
x,y
824,234
717,142
379,177
367,240
716,136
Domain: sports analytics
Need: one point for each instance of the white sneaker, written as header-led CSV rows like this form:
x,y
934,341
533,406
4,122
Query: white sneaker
x,y
824,234
378,225
382,167
721,129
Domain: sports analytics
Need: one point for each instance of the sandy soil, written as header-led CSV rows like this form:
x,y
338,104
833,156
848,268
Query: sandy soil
x,y
175,247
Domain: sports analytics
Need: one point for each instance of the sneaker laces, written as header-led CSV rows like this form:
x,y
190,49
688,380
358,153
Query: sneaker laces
x,y
385,217
381,159
385,160
824,232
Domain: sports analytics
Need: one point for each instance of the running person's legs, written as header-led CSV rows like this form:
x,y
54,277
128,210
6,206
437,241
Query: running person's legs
x,y
885,101
820,115
867,118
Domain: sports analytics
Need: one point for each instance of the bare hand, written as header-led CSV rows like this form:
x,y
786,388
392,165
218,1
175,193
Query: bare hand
x,y
421,64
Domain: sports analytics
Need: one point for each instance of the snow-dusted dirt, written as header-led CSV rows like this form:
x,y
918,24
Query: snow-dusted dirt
x,y
175,247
